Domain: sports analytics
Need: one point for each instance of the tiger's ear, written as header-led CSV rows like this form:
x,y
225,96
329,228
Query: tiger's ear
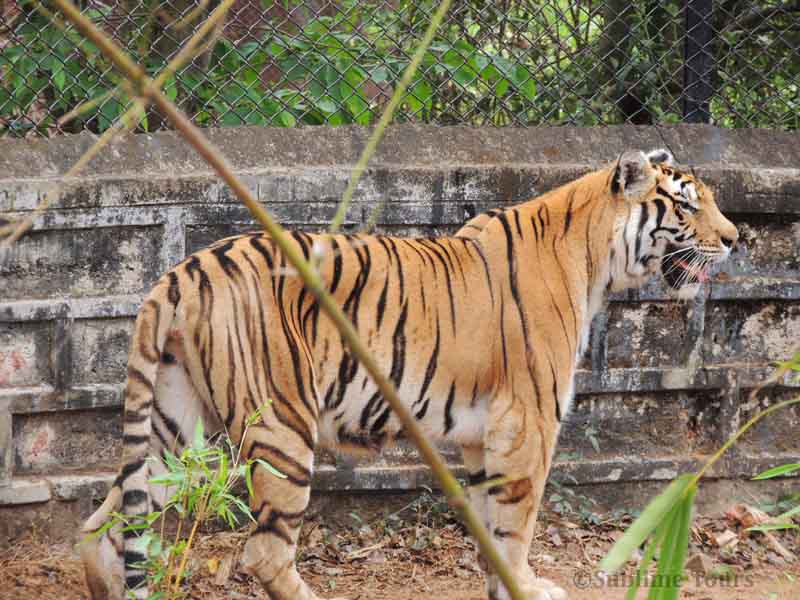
x,y
660,157
633,175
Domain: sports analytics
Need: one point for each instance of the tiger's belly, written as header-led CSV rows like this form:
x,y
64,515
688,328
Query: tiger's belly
x,y
354,416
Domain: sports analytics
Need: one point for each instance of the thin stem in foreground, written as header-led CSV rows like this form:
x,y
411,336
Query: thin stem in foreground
x,y
386,118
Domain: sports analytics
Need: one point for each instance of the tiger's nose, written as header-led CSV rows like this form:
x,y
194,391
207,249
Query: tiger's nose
x,y
728,242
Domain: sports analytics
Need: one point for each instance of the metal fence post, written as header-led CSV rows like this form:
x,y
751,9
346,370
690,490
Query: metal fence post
x,y
698,61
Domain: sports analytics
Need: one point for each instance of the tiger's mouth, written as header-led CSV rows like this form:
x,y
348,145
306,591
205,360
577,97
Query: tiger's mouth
x,y
683,266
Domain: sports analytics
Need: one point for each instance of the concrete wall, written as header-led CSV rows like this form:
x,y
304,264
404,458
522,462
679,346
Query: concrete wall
x,y
662,385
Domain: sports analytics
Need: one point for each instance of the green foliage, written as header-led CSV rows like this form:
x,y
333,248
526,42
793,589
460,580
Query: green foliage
x,y
566,501
53,68
551,63
784,519
201,480
665,523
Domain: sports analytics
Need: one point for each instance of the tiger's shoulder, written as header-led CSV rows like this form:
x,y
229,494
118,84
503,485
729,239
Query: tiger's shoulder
x,y
474,227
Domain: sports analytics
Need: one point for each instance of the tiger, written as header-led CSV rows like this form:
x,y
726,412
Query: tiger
x,y
480,332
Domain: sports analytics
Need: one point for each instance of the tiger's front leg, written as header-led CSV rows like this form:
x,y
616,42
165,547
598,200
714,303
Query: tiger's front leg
x,y
519,445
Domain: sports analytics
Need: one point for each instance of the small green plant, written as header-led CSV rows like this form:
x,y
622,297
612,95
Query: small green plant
x,y
783,520
568,502
202,478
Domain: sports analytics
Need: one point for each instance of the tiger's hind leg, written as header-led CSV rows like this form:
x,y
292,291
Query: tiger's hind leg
x,y
176,411
278,503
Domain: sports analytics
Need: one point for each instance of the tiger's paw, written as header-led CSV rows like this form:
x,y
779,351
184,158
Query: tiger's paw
x,y
543,589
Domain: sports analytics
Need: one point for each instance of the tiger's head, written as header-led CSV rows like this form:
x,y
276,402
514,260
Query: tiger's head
x,y
670,224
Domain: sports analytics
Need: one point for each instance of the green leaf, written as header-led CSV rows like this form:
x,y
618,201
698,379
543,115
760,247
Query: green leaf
x,y
789,513
287,118
501,87
199,440
655,542
778,471
642,527
270,468
680,544
523,81
58,74
773,527
171,88
325,105
248,478
109,111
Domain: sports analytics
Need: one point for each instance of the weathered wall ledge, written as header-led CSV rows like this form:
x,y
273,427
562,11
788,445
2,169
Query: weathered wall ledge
x,y
662,385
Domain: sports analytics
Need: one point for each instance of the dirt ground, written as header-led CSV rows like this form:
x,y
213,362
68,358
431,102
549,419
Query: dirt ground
x,y
420,551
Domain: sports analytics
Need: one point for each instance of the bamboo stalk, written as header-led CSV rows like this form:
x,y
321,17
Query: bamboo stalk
x,y
386,117
313,282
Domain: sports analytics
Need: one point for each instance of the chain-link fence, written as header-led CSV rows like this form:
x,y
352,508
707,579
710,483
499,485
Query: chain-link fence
x,y
308,62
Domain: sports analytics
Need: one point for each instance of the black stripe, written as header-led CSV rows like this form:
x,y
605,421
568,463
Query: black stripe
x,y
258,247
457,260
573,311
399,263
380,421
399,348
515,212
643,216
421,414
589,259
171,425
131,556
127,470
555,392
228,265
291,343
476,478
474,400
337,265
661,210
661,191
541,220
448,415
174,292
431,368
134,373
512,277
141,415
370,408
568,215
448,280
129,439
382,302
350,305
130,497
300,238
495,489
230,396
615,189
271,526
135,580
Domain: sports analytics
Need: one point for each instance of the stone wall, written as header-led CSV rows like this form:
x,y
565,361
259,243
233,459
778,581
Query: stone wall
x,y
662,385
